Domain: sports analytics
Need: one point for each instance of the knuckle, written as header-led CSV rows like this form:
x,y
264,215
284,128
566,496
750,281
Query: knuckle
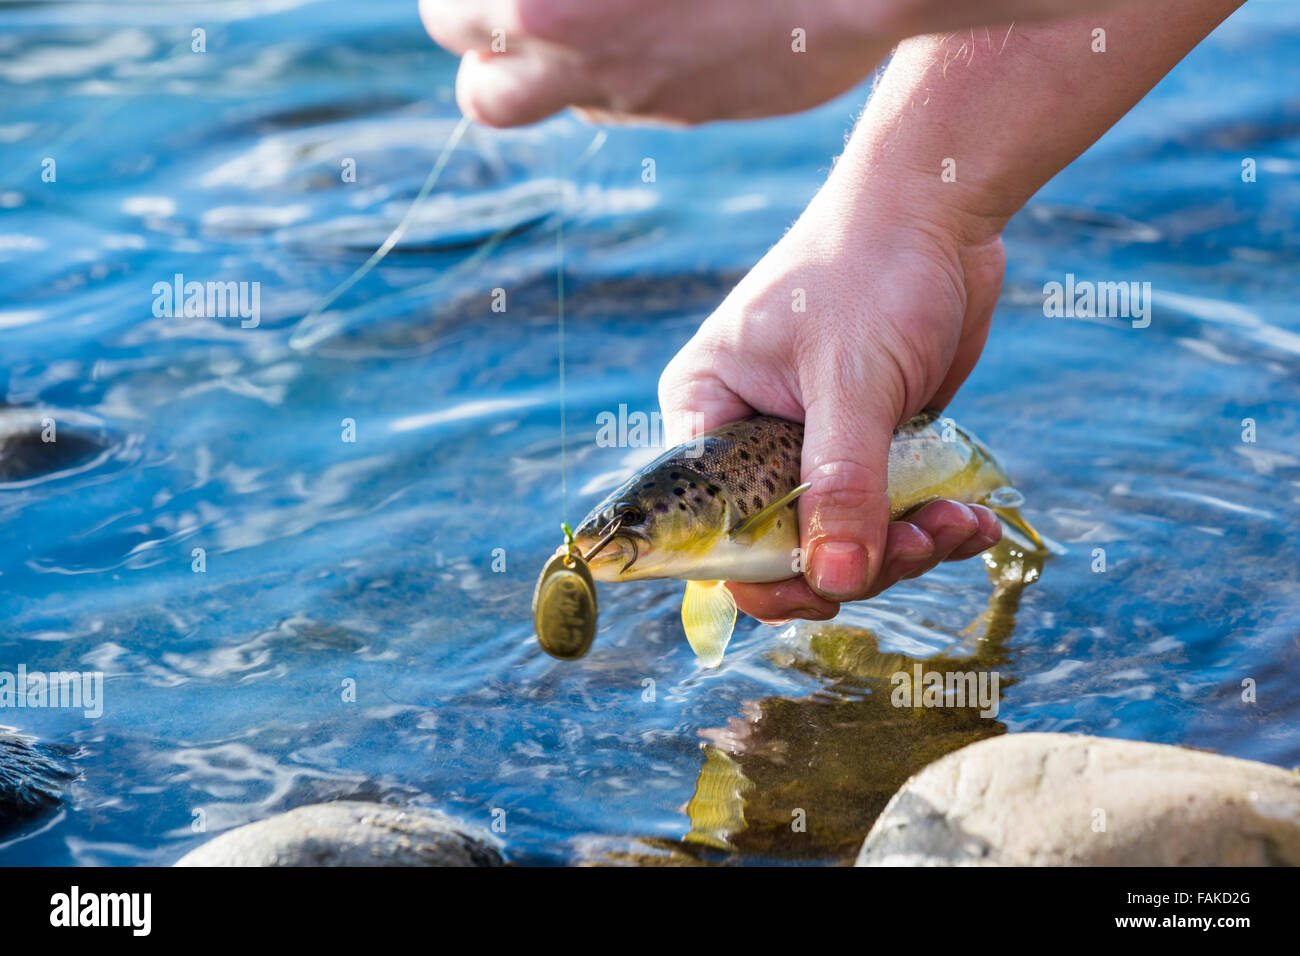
x,y
966,522
844,487
677,383
953,516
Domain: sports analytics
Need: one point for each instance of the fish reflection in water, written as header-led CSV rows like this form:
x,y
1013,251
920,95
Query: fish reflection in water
x,y
804,779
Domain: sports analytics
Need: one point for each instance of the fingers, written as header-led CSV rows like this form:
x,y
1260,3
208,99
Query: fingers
x,y
515,89
846,511
507,76
778,603
988,534
939,531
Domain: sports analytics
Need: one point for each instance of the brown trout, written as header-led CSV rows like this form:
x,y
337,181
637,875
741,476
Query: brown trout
x,y
723,508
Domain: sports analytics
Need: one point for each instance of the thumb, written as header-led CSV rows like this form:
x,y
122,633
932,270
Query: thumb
x,y
845,514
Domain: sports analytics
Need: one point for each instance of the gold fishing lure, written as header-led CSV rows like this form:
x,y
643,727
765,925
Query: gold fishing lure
x,y
564,604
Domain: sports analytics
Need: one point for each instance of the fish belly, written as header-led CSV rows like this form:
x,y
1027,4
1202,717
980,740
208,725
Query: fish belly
x,y
940,461
772,557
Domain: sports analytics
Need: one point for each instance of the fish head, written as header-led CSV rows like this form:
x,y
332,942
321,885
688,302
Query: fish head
x,y
668,518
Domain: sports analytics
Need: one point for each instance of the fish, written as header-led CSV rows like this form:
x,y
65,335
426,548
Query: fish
x,y
723,507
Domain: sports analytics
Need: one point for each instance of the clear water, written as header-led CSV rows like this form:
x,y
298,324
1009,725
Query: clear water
x,y
372,561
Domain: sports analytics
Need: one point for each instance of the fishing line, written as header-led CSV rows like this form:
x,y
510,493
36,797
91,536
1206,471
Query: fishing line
x,y
559,308
313,328
592,148
302,337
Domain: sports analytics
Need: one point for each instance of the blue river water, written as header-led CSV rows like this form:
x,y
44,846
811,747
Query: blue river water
x,y
361,625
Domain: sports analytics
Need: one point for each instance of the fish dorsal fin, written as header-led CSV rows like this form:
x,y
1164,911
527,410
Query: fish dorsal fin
x,y
753,526
709,616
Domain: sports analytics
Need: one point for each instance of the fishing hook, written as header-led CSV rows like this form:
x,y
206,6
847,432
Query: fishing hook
x,y
609,536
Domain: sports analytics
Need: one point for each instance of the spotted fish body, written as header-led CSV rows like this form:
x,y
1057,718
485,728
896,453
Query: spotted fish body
x,y
693,497
723,507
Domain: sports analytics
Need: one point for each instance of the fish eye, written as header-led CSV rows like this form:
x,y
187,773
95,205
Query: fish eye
x,y
629,514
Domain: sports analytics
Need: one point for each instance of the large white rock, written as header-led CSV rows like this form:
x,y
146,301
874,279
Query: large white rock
x,y
1073,800
351,833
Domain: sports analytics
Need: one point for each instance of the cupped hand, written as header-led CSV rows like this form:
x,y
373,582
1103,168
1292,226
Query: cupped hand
x,y
897,308
672,60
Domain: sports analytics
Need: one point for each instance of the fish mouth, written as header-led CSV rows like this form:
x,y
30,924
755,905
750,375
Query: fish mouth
x,y
612,561
618,553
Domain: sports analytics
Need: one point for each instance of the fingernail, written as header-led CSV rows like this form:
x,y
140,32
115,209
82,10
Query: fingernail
x,y
839,569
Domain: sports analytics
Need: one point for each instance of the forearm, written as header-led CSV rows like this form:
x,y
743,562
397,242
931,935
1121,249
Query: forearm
x,y
1002,110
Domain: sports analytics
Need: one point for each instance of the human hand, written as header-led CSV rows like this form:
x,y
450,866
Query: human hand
x,y
901,269
898,305
674,60
688,62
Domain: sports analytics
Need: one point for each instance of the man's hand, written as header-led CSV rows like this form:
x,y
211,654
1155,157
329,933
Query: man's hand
x,y
670,60
900,268
897,310
898,259
689,61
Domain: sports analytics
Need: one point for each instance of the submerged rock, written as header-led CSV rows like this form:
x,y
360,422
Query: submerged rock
x,y
31,781
43,441
351,833
1073,800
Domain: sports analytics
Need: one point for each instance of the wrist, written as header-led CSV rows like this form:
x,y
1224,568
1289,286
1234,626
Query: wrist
x,y
915,153
887,186
967,126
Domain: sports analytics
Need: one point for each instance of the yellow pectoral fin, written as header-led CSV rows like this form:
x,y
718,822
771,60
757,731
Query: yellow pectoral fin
x,y
754,526
709,616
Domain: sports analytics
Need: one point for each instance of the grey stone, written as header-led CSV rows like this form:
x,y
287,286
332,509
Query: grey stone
x,y
1074,800
351,833
24,452
31,780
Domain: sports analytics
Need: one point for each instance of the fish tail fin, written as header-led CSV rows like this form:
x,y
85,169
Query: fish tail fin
x,y
1020,530
709,617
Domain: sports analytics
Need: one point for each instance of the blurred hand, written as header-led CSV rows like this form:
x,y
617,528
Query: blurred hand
x,y
672,60
898,308
687,61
